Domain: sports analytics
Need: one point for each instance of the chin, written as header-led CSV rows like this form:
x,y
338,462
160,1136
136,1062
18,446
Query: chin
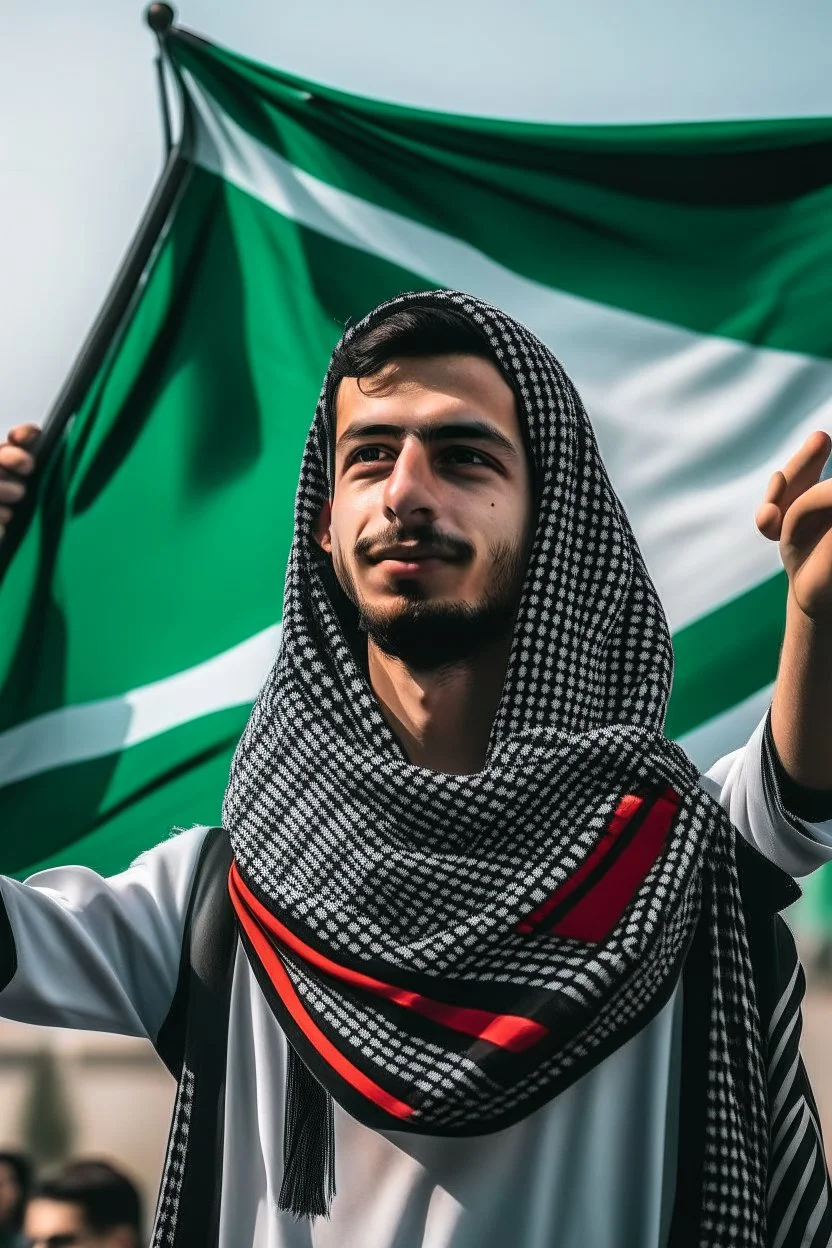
x,y
407,592
410,596
434,633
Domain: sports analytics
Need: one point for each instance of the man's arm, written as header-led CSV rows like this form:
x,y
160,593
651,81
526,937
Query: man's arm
x,y
797,512
791,831
76,949
80,950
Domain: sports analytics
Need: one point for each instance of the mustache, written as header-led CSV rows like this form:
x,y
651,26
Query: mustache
x,y
374,548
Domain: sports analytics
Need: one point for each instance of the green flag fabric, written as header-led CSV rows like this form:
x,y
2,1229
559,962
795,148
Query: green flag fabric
x,y
680,272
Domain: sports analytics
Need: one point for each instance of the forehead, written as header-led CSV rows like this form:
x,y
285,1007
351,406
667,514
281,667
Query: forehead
x,y
429,388
54,1217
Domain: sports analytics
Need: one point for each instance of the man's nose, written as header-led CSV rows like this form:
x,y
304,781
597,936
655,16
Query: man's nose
x,y
409,491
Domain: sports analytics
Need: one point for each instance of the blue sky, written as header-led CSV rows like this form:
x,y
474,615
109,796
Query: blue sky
x,y
79,131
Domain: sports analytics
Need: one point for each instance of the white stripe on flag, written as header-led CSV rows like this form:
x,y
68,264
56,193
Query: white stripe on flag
x,y
726,732
691,426
75,734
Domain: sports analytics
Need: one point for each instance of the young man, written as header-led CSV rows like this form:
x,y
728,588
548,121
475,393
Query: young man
x,y
505,969
87,1204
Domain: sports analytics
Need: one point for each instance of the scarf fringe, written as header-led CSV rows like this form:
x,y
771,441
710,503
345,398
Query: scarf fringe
x,y
308,1144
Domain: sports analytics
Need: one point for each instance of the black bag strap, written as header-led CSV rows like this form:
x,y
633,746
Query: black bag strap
x,y
208,944
193,1044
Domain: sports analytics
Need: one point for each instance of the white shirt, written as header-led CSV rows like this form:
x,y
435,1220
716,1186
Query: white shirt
x,y
594,1168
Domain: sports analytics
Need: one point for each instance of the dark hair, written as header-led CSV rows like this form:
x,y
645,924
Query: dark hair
x,y
107,1196
23,1173
405,333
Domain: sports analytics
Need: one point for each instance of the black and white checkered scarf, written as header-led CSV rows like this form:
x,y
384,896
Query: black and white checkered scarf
x,y
446,953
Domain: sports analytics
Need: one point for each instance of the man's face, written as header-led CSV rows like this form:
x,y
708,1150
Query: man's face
x,y
431,511
62,1224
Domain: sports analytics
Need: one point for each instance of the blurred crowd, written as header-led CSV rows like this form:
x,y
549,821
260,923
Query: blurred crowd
x,y
87,1203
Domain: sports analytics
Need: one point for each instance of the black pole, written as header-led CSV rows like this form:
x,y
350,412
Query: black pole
x,y
163,103
160,19
113,311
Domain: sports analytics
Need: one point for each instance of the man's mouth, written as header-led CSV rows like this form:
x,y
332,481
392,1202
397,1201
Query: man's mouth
x,y
411,559
407,552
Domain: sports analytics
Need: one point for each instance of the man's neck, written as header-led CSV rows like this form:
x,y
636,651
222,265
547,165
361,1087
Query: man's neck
x,y
442,719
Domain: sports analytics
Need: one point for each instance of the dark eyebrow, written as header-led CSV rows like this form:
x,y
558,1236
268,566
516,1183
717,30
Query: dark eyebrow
x,y
438,431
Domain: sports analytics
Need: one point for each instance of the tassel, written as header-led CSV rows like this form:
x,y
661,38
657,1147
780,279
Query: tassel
x,y
308,1144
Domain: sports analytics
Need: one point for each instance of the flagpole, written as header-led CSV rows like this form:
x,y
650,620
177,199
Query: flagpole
x,y
160,18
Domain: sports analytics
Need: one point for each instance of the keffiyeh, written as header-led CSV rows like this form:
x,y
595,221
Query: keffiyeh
x,y
446,953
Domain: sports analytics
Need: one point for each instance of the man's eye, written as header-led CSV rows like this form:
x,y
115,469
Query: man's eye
x,y
369,455
465,455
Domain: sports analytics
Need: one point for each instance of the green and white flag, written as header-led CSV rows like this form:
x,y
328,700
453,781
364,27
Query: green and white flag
x,y
682,273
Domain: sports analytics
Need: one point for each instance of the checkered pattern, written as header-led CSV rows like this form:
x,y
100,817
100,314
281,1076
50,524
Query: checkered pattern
x,y
379,862
170,1191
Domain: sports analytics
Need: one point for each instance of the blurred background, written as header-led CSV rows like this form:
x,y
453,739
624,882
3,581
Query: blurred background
x,y
80,149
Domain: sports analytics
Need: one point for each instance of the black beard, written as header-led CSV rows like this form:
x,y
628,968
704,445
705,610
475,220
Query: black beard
x,y
428,636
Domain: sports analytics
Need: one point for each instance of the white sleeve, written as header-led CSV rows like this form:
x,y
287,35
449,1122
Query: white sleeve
x,y
100,953
744,785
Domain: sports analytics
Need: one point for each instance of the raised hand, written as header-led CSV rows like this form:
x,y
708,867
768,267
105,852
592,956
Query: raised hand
x,y
17,462
797,513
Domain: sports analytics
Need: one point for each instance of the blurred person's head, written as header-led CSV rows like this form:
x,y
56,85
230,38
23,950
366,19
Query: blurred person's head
x,y
87,1204
15,1182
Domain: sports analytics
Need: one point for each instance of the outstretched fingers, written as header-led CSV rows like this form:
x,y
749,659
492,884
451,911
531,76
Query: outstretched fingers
x,y
799,475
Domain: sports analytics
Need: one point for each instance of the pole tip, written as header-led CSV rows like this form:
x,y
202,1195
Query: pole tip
x,y
160,17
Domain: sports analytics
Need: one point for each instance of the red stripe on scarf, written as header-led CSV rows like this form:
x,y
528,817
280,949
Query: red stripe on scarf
x,y
629,805
507,1031
285,990
596,914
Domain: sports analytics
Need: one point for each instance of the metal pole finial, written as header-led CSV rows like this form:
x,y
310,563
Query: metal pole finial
x,y
160,18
